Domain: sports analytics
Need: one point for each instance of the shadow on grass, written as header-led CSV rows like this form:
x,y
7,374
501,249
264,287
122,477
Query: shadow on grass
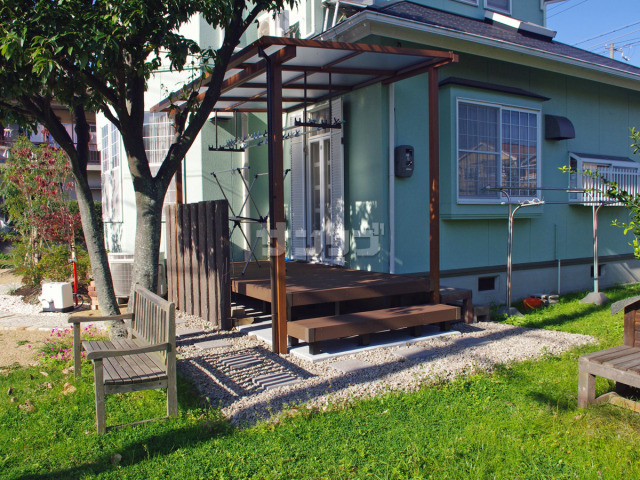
x,y
140,450
148,445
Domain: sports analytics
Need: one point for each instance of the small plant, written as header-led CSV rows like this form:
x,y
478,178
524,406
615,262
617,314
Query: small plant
x,y
58,347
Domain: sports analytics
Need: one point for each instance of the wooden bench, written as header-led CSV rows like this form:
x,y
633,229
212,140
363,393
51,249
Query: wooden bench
x,y
145,360
362,324
621,364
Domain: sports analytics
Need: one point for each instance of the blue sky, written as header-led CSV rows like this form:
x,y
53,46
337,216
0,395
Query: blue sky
x,y
577,21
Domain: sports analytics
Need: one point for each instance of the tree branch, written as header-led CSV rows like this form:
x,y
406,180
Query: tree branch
x,y
91,80
106,111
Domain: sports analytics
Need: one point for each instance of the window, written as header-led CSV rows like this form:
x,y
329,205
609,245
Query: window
x,y
497,147
317,190
503,6
111,179
157,132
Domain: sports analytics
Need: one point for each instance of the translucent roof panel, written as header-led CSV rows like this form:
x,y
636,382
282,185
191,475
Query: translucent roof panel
x,y
312,71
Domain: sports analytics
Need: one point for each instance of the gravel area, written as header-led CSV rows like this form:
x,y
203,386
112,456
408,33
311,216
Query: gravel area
x,y
479,347
241,375
14,313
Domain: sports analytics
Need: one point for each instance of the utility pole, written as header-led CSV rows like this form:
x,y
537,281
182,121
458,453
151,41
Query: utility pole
x,y
613,50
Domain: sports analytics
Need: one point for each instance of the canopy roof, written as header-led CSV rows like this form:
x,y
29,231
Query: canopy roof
x,y
313,70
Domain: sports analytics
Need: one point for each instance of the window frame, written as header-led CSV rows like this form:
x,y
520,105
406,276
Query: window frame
x,y
475,3
501,107
497,9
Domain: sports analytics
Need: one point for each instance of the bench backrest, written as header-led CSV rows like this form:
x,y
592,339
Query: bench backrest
x,y
153,320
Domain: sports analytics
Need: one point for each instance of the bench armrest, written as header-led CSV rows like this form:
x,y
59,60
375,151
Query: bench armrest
x,y
79,319
99,354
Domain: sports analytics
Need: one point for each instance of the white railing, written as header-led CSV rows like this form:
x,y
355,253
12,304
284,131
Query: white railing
x,y
627,178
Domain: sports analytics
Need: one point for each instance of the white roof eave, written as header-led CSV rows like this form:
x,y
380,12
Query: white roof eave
x,y
368,22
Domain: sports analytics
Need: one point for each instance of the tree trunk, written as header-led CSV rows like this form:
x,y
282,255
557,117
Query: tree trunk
x,y
98,256
149,200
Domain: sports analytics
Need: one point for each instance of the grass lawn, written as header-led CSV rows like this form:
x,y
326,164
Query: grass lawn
x,y
520,422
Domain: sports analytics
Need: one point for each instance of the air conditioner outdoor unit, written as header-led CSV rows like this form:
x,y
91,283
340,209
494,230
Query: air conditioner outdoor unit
x,y
121,265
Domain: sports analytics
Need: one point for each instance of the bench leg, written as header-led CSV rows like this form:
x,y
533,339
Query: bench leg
x,y
293,341
77,352
98,375
172,386
364,340
586,389
445,326
314,348
416,331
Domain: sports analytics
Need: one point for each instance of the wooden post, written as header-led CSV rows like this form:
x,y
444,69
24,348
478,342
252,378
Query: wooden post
x,y
213,316
180,258
172,246
186,258
195,266
202,260
434,186
276,204
223,268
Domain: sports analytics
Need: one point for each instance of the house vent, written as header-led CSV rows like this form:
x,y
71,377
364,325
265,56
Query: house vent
x,y
558,128
121,265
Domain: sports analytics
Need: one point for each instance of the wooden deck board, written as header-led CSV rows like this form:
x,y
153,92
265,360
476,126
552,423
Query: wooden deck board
x,y
342,326
309,284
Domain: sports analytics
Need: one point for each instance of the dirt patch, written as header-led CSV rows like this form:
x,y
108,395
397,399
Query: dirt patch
x,y
14,346
29,294
8,276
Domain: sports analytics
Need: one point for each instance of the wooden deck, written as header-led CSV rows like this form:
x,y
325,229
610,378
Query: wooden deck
x,y
312,284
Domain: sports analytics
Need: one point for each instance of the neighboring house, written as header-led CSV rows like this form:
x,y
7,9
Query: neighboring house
x,y
10,133
516,108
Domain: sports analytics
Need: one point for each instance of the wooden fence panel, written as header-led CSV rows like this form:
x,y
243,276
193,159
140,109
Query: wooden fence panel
x,y
198,260
186,259
180,259
223,267
211,263
172,245
202,261
195,270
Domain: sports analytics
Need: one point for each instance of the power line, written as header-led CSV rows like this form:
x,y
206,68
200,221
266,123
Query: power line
x,y
566,9
612,39
556,5
606,33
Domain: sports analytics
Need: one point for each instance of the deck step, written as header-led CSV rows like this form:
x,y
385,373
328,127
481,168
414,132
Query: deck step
x,y
315,330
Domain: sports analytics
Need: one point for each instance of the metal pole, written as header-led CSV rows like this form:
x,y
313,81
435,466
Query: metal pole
x,y
596,296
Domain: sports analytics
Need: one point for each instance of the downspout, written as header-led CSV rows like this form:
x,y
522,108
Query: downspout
x,y
392,181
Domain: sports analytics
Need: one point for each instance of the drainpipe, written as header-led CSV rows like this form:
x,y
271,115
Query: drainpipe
x,y
392,182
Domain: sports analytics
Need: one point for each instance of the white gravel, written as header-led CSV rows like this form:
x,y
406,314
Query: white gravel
x,y
16,314
480,347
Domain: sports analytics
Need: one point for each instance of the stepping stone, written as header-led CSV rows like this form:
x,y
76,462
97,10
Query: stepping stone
x,y
348,366
471,342
275,380
414,353
241,361
212,344
189,332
